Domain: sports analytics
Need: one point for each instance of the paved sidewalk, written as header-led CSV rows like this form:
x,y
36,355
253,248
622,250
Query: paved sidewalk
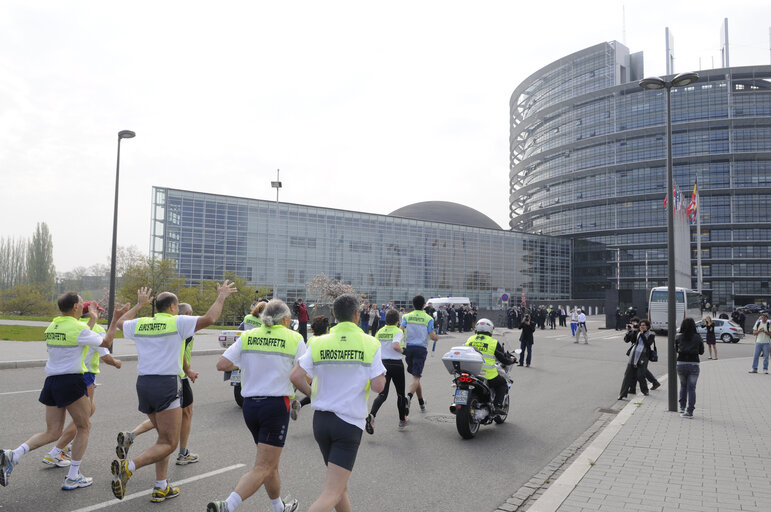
x,y
650,459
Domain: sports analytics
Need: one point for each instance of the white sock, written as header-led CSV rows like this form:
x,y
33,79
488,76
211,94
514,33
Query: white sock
x,y
74,471
54,451
278,505
161,484
234,501
18,452
131,466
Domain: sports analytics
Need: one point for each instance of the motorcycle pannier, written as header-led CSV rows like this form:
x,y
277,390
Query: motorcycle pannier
x,y
463,359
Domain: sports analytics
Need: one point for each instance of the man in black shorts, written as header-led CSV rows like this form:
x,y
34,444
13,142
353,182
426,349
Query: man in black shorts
x,y
340,402
418,327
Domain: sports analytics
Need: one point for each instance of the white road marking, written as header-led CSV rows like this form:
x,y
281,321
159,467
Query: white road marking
x,y
19,392
116,501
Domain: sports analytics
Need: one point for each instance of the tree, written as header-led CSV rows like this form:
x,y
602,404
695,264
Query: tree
x,y
327,289
238,304
40,259
125,258
26,299
160,275
13,262
200,296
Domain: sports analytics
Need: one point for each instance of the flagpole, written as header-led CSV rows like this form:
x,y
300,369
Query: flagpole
x,y
699,275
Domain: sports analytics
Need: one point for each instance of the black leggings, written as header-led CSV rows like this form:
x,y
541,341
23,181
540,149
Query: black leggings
x,y
501,387
394,370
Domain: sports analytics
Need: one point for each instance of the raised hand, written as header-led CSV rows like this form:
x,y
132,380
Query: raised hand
x,y
226,289
144,296
122,311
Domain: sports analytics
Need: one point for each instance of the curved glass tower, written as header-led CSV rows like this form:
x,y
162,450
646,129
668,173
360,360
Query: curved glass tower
x,y
588,151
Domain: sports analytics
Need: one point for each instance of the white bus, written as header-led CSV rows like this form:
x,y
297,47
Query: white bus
x,y
688,305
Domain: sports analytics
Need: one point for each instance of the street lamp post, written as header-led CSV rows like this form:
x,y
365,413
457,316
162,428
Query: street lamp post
x,y
123,134
653,84
277,185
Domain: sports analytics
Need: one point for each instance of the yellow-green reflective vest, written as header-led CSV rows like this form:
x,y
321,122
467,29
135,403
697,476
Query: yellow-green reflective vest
x,y
486,346
276,340
387,334
187,352
162,324
64,332
92,364
252,320
416,332
347,344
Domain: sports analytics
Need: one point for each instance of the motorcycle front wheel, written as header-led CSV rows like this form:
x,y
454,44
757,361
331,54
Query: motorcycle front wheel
x,y
237,395
465,422
502,417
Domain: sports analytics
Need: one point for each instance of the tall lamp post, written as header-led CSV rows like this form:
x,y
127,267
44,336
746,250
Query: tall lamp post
x,y
277,185
654,83
123,134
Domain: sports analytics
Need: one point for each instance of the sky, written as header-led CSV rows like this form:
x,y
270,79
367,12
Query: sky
x,y
367,106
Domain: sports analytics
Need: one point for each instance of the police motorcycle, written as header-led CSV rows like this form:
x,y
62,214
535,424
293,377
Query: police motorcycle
x,y
473,399
227,338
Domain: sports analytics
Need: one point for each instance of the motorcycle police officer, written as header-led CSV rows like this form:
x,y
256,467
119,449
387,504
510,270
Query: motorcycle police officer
x,y
485,344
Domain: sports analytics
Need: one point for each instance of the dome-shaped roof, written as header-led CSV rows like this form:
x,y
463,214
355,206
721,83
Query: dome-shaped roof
x,y
449,213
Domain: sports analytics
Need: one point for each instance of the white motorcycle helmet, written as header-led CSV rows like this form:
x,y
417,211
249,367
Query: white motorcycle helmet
x,y
484,326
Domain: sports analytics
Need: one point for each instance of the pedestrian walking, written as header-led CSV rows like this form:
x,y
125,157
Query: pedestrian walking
x,y
581,328
526,340
711,340
633,331
573,322
639,355
689,348
390,338
302,319
343,364
65,390
266,356
762,332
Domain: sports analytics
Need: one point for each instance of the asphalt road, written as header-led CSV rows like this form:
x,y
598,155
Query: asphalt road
x,y
426,467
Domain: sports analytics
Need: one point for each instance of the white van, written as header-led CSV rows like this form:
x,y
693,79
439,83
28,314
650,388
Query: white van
x,y
688,305
448,301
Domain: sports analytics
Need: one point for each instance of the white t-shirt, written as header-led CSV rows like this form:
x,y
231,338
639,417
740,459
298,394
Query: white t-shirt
x,y
582,318
387,347
66,360
263,374
161,355
342,389
574,317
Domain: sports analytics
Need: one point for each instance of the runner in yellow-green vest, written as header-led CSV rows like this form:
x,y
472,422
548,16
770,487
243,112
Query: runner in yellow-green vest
x,y
60,454
265,356
491,350
390,338
252,320
344,365
418,327
160,353
65,390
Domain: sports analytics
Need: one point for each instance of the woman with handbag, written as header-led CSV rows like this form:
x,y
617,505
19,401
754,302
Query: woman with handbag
x,y
639,355
689,348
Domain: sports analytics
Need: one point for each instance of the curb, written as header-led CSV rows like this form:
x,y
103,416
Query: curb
x,y
557,492
36,363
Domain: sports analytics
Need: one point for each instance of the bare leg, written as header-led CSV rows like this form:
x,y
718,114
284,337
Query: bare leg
x,y
55,417
184,430
335,492
80,410
70,430
419,391
167,423
143,427
414,385
265,470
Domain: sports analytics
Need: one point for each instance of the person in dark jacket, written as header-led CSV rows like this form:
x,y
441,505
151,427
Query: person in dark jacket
x,y
633,329
526,340
639,355
689,347
619,319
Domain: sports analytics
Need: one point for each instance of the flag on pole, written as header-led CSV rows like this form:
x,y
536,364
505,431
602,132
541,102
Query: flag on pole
x,y
693,205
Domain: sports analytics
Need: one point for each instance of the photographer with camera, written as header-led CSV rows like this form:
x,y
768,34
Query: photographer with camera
x,y
639,353
632,331
526,340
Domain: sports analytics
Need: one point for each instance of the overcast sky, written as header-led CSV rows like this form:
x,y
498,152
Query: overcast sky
x,y
366,106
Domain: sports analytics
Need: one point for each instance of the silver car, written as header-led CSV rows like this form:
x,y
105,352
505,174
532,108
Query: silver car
x,y
725,330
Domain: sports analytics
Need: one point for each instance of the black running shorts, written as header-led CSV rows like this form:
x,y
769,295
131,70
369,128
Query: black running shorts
x,y
338,440
187,393
63,390
157,393
267,418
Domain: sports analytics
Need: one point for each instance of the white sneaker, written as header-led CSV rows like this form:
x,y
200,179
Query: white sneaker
x,y
80,481
290,506
188,458
60,461
294,409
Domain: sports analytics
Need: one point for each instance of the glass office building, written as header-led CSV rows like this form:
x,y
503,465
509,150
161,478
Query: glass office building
x,y
588,153
433,248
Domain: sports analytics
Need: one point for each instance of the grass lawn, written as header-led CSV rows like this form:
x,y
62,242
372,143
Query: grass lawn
x,y
27,333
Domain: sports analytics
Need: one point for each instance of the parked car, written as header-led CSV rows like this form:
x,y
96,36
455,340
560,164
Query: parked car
x,y
725,330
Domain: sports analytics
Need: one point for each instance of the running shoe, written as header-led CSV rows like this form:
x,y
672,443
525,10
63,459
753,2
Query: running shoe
x,y
408,402
290,506
294,409
125,440
6,466
402,425
187,458
161,495
369,426
217,506
423,406
80,481
60,461
121,474
67,452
